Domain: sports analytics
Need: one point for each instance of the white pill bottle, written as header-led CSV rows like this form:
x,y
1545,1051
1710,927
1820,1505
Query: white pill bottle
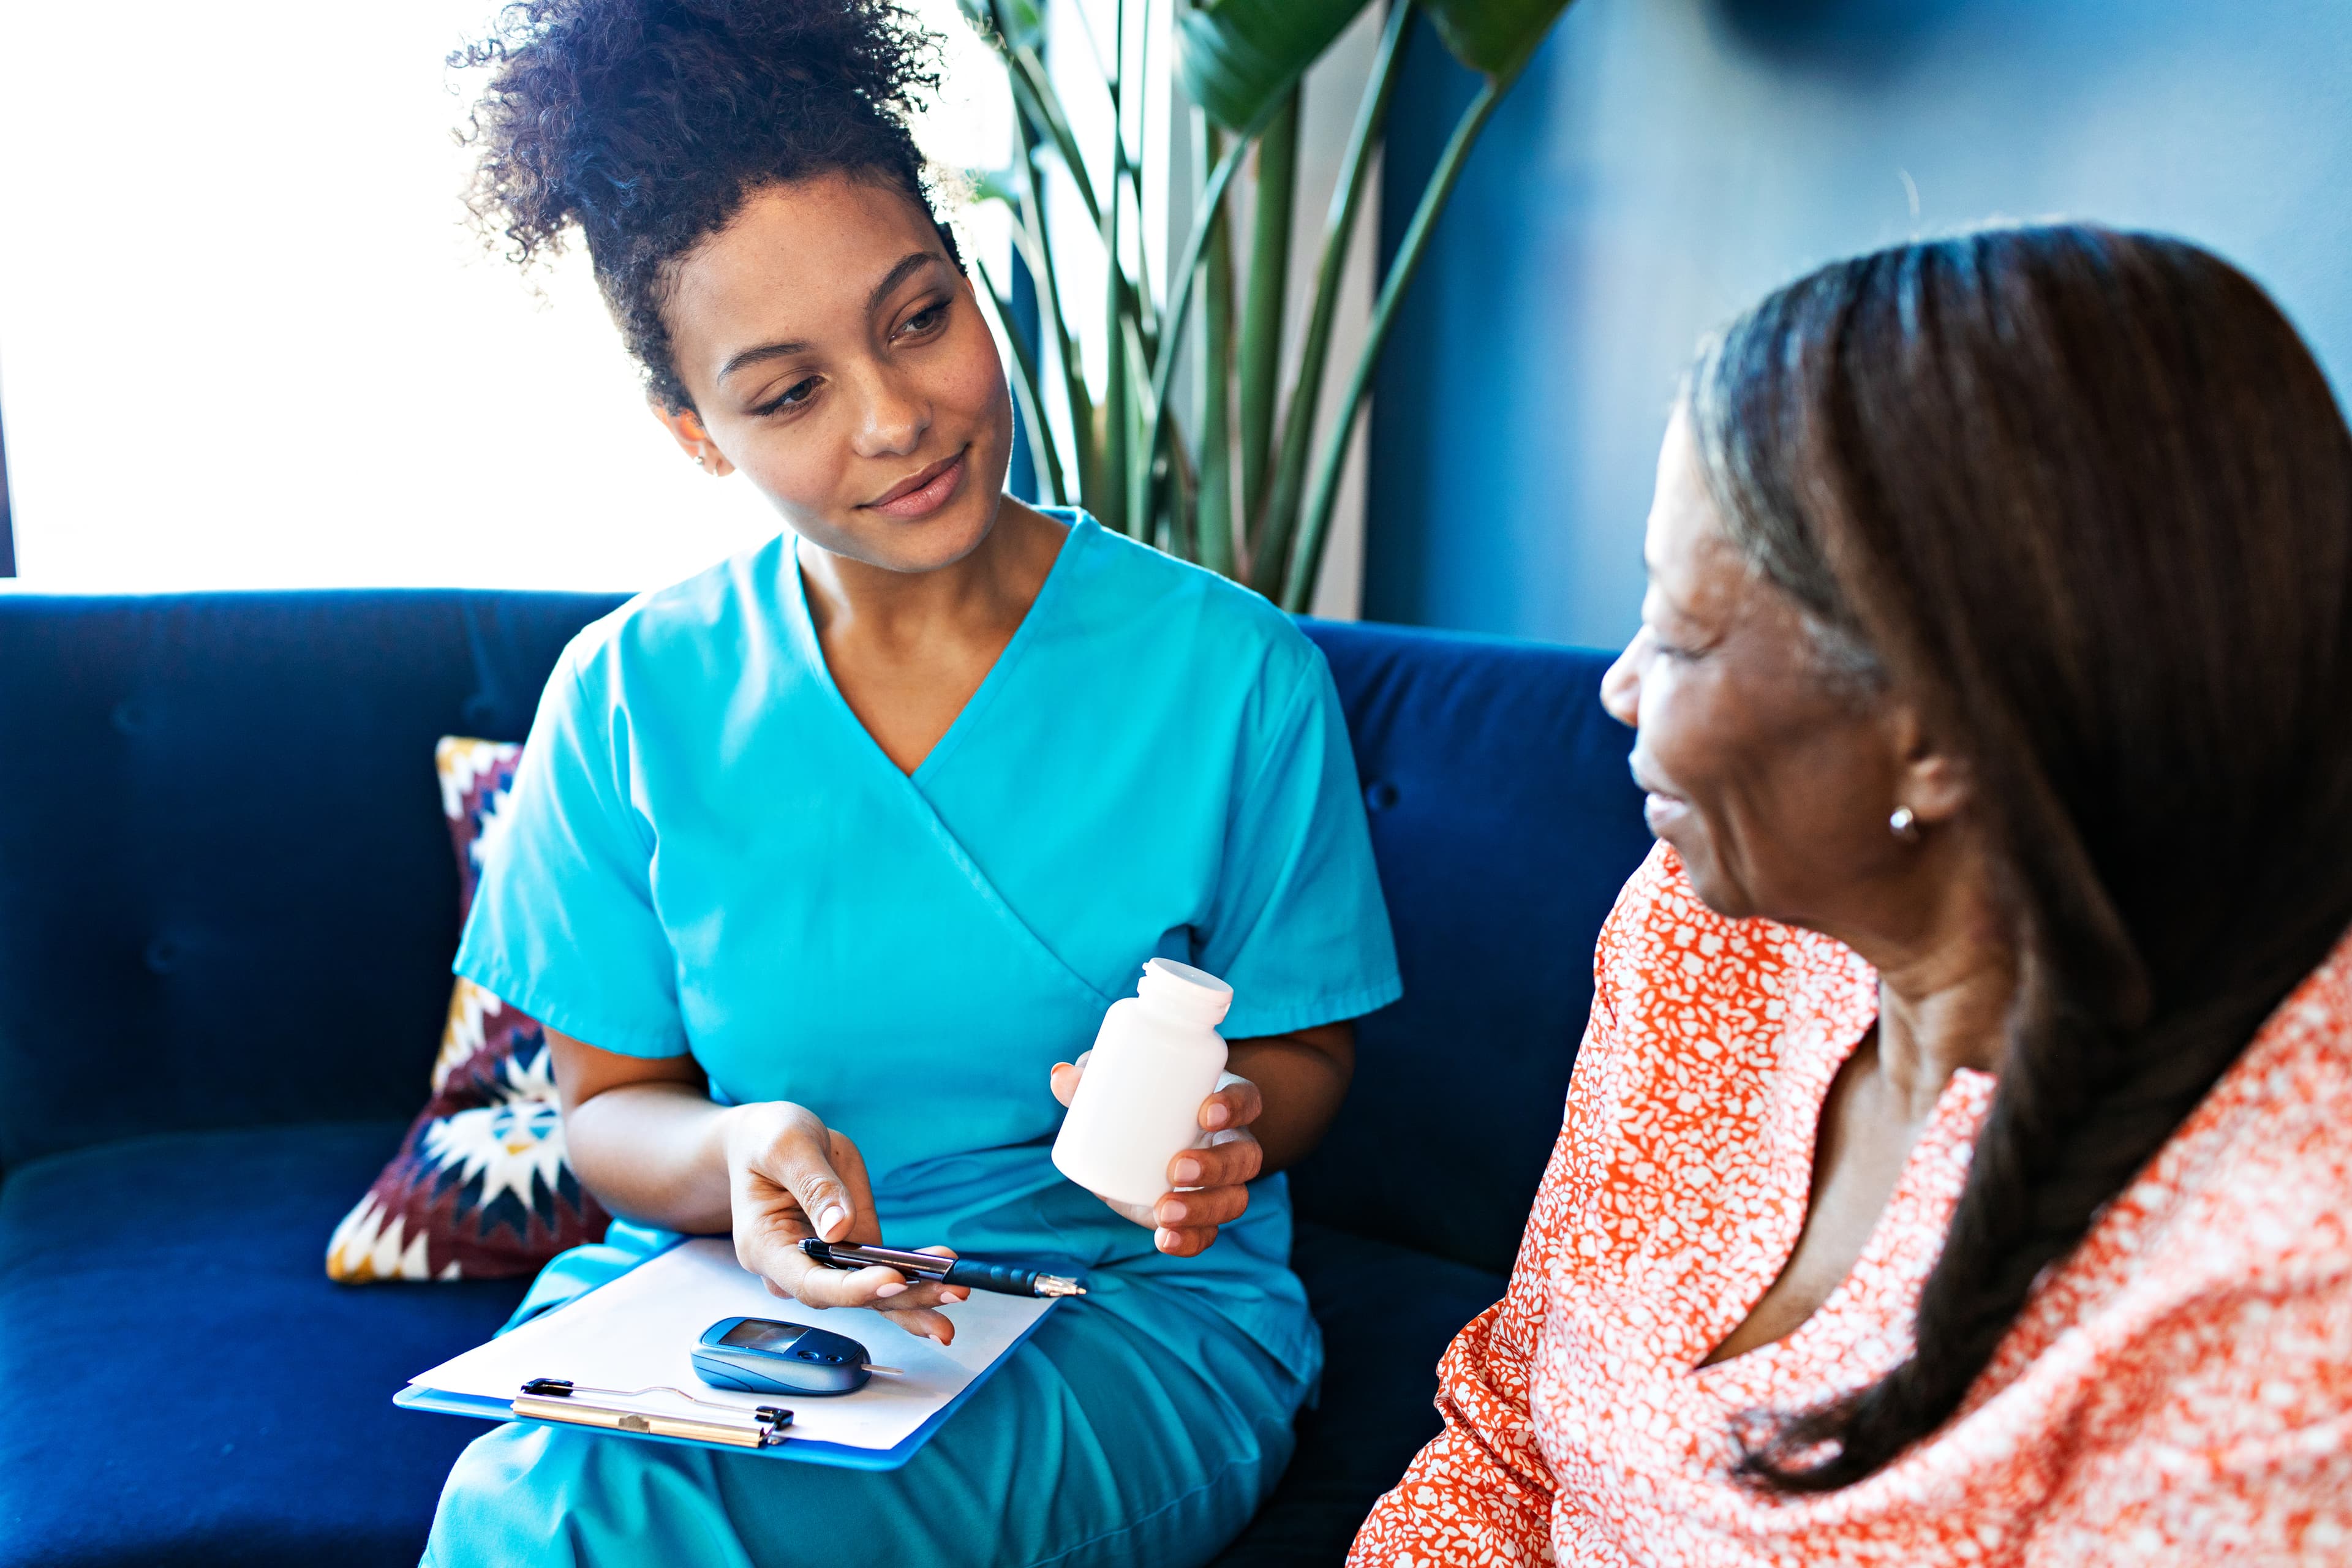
x,y
1156,1058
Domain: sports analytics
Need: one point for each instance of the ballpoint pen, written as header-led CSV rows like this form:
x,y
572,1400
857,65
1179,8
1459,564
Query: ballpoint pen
x,y
554,1399
1004,1278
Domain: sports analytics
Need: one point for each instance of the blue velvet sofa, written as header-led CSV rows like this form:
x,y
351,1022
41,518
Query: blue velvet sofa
x,y
226,914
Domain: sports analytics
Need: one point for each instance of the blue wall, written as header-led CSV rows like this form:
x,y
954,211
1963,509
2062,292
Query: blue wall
x,y
1665,162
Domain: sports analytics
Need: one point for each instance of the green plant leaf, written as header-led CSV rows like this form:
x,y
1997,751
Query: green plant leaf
x,y
1236,56
1276,523
1026,387
1258,352
1493,37
1212,388
1017,22
1306,553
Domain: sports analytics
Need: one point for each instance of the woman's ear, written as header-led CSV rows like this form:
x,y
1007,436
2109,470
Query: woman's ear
x,y
684,427
1932,782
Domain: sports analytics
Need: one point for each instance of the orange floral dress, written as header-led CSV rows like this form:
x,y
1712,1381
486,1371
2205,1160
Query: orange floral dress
x,y
2178,1391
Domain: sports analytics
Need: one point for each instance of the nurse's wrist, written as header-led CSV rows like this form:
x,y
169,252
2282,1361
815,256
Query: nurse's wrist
x,y
728,1124
789,1144
749,1131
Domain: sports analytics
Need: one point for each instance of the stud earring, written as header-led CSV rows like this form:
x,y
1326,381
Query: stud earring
x,y
1903,825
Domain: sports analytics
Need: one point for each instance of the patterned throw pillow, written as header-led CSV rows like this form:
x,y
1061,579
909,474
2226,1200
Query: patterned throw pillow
x,y
480,1188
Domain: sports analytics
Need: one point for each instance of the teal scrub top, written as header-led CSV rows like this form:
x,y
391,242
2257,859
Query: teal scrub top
x,y
705,852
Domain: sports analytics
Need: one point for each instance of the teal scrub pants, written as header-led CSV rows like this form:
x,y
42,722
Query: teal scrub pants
x,y
1132,1429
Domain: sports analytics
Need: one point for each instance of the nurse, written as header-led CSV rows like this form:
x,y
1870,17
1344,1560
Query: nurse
x,y
822,865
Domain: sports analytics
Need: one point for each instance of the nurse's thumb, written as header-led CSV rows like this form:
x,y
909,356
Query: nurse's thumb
x,y
793,1149
823,1197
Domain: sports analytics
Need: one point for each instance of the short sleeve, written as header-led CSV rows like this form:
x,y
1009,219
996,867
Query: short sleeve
x,y
564,926
1297,924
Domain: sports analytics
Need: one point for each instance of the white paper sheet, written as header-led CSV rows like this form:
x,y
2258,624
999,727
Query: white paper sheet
x,y
641,1329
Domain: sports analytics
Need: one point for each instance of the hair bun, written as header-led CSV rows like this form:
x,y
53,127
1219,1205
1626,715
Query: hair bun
x,y
648,124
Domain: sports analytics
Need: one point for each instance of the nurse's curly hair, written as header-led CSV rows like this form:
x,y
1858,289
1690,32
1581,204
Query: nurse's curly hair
x,y
648,123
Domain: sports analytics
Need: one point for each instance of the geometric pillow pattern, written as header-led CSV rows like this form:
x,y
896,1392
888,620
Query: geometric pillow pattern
x,y
480,1188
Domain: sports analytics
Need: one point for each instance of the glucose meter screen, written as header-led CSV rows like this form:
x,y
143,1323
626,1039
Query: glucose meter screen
x,y
762,1334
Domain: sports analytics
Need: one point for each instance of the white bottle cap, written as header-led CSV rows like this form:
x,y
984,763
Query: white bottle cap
x,y
1194,993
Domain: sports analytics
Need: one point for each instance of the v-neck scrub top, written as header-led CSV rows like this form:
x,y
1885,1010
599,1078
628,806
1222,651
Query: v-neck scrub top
x,y
706,852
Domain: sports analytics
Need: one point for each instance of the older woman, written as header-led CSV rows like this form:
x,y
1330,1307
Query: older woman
x,y
1956,1167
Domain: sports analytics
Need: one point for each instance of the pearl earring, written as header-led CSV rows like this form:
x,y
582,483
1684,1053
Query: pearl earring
x,y
1903,825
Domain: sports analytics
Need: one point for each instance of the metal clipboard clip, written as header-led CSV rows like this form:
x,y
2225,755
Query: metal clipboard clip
x,y
551,1399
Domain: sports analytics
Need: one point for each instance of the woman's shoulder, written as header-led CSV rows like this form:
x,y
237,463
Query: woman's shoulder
x,y
1713,1025
2202,1331
2249,1193
1663,950
699,623
1128,591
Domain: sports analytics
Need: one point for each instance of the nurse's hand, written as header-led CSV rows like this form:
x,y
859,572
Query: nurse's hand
x,y
790,1176
1207,1187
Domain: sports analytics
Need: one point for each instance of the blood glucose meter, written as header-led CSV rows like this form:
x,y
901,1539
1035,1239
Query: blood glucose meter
x,y
761,1355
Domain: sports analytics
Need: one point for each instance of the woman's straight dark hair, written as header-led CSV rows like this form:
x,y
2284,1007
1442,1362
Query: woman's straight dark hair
x,y
2085,497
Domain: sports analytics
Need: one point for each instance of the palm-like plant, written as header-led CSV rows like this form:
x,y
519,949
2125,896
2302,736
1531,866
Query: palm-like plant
x,y
1246,485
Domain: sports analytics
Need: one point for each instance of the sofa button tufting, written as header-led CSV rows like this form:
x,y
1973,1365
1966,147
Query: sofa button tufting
x,y
162,955
1380,795
129,717
480,708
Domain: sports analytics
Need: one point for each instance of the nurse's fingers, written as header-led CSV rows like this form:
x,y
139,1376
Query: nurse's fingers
x,y
936,1327
1230,1158
790,1177
767,1243
835,1202
1236,1103
911,1304
778,1148
949,1294
1210,1206
1184,1241
901,1292
1066,1077
884,1290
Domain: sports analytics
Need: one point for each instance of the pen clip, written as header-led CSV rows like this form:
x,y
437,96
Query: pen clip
x,y
551,1399
856,1254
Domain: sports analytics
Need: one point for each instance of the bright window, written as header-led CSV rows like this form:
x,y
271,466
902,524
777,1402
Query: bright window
x,y
245,340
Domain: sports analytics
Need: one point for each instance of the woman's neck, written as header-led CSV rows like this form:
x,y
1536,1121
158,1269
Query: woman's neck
x,y
982,596
1929,1029
1947,974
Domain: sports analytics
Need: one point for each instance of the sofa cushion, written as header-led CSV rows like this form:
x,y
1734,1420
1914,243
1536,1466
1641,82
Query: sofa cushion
x,y
185,1385
223,876
1388,1313
171,1285
1504,821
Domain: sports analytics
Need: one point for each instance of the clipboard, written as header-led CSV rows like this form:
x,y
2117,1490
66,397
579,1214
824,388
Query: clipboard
x,y
622,1349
